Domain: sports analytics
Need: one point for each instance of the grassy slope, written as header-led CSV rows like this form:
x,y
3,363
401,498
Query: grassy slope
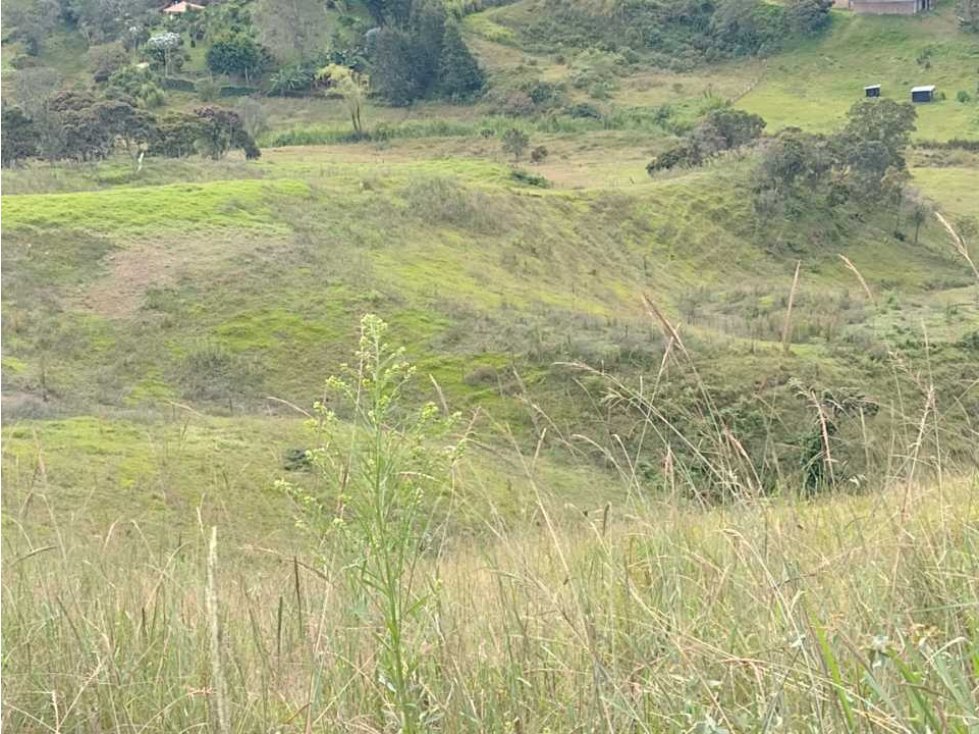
x,y
277,268
810,85
116,288
814,85
851,614
110,293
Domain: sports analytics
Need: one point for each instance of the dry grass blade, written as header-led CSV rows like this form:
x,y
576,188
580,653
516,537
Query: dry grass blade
x,y
863,283
957,242
787,326
218,681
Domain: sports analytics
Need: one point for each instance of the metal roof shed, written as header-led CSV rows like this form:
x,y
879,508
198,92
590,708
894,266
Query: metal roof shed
x,y
923,94
872,91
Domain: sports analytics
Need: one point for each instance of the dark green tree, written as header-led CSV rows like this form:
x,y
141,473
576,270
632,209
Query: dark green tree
x,y
19,139
177,134
726,128
427,26
808,17
874,140
237,55
222,130
395,75
405,55
459,76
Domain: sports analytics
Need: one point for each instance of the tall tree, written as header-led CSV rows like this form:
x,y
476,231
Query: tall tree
x,y
874,140
19,139
351,86
885,121
459,76
393,66
237,55
165,50
405,56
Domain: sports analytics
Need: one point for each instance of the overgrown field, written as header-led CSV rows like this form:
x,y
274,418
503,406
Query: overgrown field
x,y
850,614
658,455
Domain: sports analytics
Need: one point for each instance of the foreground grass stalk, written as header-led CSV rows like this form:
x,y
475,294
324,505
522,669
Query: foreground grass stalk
x,y
389,479
218,683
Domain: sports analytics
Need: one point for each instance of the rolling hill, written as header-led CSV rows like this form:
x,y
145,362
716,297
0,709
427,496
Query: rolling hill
x,y
650,379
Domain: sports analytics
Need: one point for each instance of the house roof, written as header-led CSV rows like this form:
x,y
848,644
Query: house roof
x,y
925,88
182,7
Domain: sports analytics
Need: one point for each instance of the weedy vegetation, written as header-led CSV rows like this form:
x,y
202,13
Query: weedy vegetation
x,y
856,612
663,418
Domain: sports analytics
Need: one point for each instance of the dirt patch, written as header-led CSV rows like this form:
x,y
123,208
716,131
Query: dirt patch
x,y
143,266
131,273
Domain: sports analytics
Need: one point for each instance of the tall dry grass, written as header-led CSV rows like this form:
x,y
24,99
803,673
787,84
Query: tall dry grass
x,y
842,613
851,614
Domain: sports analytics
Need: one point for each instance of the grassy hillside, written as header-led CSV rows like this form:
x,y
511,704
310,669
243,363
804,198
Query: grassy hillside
x,y
621,529
852,614
809,84
814,85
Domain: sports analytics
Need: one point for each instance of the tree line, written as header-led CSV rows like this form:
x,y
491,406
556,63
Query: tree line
x,y
404,50
678,34
865,160
78,126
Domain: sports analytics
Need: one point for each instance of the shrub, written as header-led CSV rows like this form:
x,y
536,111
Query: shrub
x,y
727,128
19,136
237,55
808,17
207,89
530,179
681,155
139,83
963,96
177,135
538,154
583,110
105,60
179,84
514,142
294,79
516,103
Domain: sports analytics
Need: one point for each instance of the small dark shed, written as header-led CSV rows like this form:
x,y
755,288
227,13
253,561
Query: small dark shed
x,y
872,91
923,94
